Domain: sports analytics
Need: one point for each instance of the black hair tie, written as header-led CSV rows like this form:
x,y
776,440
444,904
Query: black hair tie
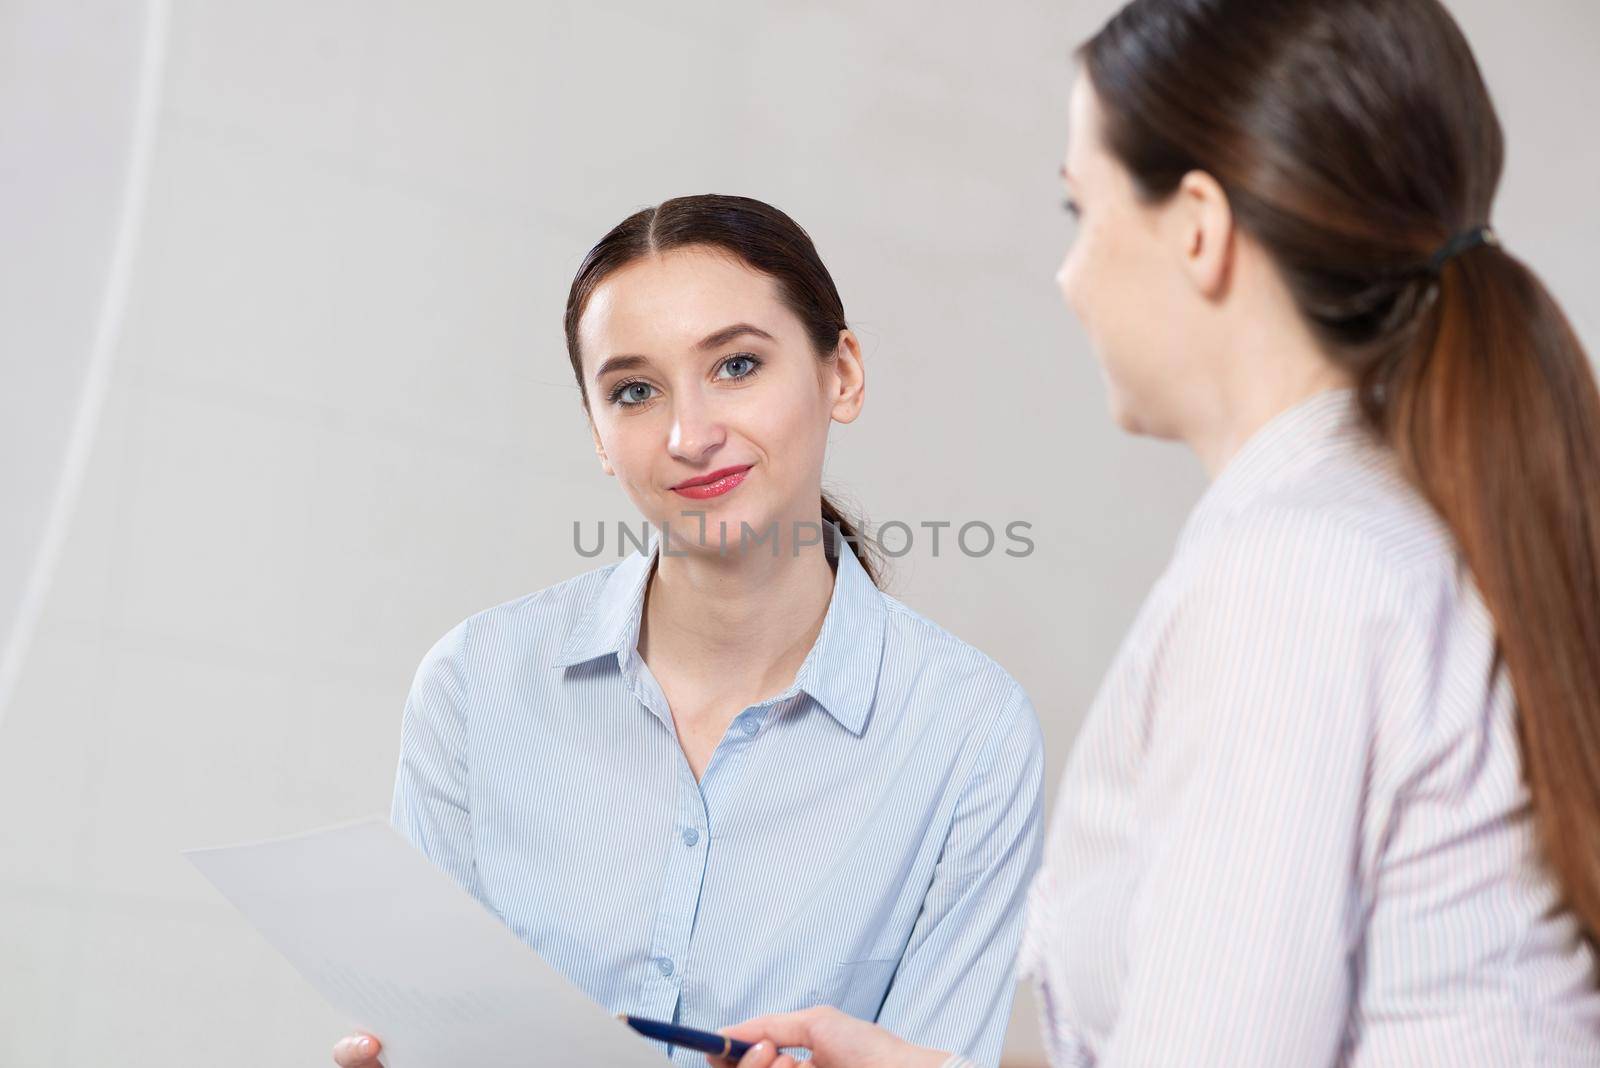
x,y
1466,239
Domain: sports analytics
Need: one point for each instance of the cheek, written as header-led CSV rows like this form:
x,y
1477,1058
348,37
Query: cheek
x,y
1086,283
627,445
1092,277
787,429
1100,281
792,434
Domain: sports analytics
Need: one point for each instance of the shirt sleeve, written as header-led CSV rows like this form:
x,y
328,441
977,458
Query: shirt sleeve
x,y
1242,932
954,986
431,807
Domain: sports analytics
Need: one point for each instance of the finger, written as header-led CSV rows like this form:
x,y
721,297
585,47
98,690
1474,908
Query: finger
x,y
760,1055
785,1029
751,1030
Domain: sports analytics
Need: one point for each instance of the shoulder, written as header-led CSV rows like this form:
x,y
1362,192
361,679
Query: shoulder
x,y
930,669
1351,534
911,637
534,623
1343,573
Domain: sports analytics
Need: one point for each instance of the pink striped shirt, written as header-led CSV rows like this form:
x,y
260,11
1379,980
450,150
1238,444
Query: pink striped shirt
x,y
1293,829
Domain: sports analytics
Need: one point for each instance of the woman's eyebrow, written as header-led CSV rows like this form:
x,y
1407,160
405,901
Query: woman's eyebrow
x,y
630,361
728,333
619,363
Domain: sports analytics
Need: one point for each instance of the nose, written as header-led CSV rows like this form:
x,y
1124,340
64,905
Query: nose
x,y
696,432
1067,283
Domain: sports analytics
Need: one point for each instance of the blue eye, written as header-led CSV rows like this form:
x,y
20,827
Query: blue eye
x,y
630,394
636,392
742,365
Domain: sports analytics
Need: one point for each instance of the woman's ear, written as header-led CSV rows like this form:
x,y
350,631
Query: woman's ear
x,y
600,449
1205,235
848,381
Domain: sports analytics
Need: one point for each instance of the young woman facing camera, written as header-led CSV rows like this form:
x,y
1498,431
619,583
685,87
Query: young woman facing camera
x,y
1338,800
729,776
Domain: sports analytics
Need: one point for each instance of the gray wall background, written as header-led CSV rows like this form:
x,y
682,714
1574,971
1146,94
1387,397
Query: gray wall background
x,y
341,418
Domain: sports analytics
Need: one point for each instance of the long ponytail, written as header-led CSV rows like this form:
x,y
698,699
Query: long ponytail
x,y
1496,418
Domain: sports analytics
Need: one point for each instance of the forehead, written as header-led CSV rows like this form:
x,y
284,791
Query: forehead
x,y
1083,129
666,303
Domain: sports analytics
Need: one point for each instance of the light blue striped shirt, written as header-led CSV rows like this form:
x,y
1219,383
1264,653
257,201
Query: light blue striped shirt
x,y
864,839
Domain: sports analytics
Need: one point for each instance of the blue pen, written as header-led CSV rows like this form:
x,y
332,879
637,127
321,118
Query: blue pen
x,y
687,1037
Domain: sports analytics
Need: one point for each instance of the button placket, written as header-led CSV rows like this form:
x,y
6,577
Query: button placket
x,y
752,720
680,897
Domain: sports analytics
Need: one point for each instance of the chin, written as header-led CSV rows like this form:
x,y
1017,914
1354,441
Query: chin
x,y
1123,411
704,532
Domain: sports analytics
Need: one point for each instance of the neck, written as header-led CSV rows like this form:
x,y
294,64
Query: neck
x,y
1264,377
741,623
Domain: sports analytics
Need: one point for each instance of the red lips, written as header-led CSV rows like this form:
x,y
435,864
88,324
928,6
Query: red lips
x,y
714,484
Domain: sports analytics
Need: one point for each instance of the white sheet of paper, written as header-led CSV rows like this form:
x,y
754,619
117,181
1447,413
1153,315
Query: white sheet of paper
x,y
409,956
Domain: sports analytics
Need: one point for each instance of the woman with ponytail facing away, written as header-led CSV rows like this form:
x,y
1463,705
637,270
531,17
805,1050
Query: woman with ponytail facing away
x,y
1338,800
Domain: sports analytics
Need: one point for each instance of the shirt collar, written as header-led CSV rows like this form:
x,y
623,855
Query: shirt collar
x,y
1298,436
840,672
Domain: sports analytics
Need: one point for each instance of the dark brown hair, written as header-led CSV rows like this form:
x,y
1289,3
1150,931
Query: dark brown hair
x,y
761,237
1353,138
